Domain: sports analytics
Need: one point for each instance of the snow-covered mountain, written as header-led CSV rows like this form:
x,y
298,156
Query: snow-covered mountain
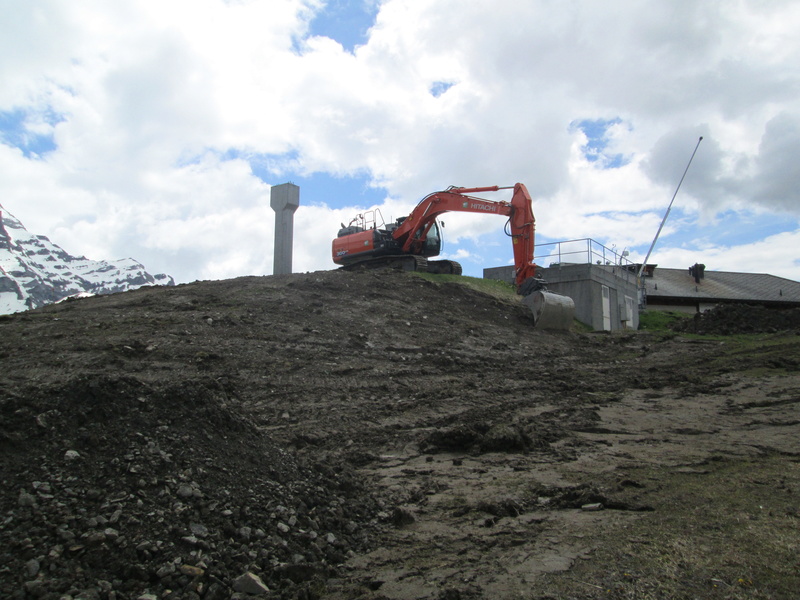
x,y
34,271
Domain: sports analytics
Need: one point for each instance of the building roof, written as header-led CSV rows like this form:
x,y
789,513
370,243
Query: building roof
x,y
679,285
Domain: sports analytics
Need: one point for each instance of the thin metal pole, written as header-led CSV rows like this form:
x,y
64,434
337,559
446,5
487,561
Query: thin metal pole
x,y
664,220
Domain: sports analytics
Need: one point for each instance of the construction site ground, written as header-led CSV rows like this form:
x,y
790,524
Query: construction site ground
x,y
378,435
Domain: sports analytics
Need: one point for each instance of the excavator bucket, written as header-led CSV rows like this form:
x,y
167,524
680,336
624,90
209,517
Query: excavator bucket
x,y
550,311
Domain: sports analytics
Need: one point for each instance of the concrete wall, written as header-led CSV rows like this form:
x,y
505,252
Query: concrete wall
x,y
682,308
584,283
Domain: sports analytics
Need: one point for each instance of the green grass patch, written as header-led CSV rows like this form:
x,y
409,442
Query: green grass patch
x,y
660,320
758,354
492,287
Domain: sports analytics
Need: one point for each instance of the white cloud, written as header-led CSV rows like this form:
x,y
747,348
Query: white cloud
x,y
160,105
775,255
460,254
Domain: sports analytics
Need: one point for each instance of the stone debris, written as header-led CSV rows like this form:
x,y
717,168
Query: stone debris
x,y
249,583
183,509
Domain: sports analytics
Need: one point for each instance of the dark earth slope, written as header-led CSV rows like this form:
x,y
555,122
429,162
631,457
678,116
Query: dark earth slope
x,y
378,435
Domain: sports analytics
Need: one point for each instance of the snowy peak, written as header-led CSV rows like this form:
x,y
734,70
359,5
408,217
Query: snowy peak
x,y
34,271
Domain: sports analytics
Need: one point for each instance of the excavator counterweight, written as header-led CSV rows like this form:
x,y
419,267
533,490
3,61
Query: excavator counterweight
x,y
410,241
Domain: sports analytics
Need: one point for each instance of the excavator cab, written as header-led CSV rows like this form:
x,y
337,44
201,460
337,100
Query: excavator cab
x,y
433,241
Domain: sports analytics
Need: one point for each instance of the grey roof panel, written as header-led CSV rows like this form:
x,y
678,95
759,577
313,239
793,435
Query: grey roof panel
x,y
721,285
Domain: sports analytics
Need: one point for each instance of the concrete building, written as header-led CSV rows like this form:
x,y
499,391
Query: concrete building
x,y
601,282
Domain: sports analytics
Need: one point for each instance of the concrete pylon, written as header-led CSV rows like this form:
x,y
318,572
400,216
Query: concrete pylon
x,y
284,200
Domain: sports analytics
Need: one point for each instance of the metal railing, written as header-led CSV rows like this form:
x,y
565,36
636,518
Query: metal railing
x,y
584,251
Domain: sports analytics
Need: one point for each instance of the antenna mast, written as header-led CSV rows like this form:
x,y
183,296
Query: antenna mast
x,y
664,220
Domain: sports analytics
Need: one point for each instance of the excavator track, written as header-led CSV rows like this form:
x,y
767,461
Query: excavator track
x,y
404,262
408,262
444,267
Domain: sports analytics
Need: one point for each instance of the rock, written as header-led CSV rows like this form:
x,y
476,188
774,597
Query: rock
x,y
191,571
26,499
505,438
105,586
64,534
34,588
217,591
32,567
96,537
592,507
43,487
402,516
250,583
166,570
198,529
71,455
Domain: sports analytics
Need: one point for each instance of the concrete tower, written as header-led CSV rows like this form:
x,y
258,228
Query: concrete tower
x,y
284,200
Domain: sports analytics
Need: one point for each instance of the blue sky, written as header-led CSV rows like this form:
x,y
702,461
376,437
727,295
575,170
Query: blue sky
x,y
347,22
18,130
154,130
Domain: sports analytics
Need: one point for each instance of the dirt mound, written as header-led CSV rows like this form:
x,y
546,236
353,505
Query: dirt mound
x,y
377,435
729,319
142,434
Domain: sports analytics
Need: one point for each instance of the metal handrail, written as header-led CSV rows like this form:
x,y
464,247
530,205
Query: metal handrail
x,y
582,251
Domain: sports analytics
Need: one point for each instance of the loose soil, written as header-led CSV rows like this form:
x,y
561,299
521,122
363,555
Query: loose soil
x,y
377,435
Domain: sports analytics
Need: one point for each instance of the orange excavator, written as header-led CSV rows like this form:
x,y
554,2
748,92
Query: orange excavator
x,y
408,243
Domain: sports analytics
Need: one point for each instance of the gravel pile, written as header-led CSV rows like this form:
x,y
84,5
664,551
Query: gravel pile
x,y
116,490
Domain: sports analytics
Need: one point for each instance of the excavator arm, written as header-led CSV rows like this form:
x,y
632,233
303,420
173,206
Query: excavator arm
x,y
412,232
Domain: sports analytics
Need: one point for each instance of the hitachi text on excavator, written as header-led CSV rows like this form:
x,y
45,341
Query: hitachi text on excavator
x,y
411,241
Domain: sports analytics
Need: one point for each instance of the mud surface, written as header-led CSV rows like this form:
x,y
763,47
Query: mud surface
x,y
377,435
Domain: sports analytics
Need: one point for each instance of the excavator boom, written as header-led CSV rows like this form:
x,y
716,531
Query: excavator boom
x,y
413,231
